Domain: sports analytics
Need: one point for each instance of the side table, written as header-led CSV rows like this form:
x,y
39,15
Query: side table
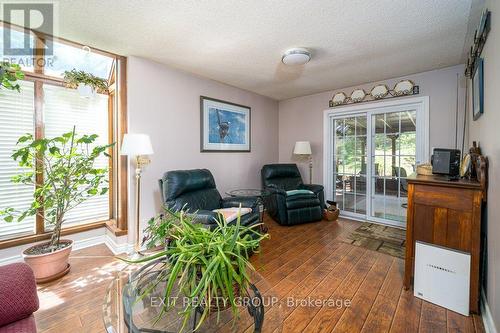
x,y
253,192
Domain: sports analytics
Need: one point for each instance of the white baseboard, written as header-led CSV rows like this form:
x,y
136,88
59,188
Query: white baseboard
x,y
88,242
11,260
489,324
117,248
77,245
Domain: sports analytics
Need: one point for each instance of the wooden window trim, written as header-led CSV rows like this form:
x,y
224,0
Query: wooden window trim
x,y
27,239
117,223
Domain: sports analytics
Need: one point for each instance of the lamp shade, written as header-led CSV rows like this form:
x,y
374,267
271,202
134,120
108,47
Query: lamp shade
x,y
136,144
302,148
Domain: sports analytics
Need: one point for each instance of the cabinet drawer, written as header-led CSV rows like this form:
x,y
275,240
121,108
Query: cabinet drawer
x,y
446,197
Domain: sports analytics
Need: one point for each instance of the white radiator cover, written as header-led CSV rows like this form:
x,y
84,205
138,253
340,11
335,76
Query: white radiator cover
x,y
442,277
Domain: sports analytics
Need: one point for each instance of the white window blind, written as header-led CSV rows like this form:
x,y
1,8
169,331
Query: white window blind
x,y
64,108
16,119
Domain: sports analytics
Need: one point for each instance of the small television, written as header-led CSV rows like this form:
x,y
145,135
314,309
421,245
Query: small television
x,y
446,162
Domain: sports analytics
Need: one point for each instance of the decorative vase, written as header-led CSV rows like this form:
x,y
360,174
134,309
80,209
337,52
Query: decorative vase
x,y
49,266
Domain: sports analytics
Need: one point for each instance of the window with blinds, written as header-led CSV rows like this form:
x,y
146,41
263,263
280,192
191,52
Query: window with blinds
x,y
64,108
46,107
16,119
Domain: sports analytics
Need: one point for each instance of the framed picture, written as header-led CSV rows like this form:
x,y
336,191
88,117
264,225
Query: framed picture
x,y
224,126
478,90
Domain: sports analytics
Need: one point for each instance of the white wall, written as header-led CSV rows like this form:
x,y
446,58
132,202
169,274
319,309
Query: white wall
x,y
486,130
165,103
301,118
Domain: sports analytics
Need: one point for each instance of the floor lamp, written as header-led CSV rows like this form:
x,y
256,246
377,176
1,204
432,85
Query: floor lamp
x,y
303,148
138,146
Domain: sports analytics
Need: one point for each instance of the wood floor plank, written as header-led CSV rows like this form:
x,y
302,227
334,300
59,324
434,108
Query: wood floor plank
x,y
456,323
311,304
407,317
327,317
312,280
354,316
298,262
382,313
290,250
432,318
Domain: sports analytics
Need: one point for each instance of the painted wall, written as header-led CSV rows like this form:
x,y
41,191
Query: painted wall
x,y
165,103
301,118
486,131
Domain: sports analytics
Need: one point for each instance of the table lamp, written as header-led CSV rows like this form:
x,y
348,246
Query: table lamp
x,y
138,146
303,148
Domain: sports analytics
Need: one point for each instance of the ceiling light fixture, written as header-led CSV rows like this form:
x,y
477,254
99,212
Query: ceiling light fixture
x,y
296,56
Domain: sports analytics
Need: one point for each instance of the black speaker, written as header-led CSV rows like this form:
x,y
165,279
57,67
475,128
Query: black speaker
x,y
446,162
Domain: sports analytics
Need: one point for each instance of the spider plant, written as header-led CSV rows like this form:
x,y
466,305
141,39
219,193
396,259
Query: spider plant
x,y
204,264
75,77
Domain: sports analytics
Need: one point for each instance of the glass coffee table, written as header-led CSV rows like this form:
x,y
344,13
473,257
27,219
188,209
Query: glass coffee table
x,y
125,311
253,192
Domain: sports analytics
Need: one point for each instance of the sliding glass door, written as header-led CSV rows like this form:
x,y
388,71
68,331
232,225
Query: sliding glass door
x,y
370,152
350,155
393,159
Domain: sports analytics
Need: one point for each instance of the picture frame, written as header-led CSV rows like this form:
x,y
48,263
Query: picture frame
x,y
478,90
224,126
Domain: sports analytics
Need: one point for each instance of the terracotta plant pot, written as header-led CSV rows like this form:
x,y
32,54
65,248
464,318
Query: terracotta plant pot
x,y
49,266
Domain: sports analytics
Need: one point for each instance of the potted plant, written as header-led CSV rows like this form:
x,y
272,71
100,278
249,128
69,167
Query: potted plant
x,y
87,84
206,265
9,74
66,163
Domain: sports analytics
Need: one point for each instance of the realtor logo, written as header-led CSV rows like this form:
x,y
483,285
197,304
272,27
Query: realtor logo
x,y
34,16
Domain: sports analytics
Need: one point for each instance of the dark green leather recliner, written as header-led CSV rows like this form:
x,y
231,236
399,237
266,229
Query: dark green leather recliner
x,y
194,191
291,209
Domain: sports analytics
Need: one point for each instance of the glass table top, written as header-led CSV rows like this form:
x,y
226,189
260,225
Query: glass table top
x,y
123,311
248,192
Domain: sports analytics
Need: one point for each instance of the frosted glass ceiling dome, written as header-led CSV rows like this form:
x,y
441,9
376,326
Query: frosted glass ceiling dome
x,y
296,56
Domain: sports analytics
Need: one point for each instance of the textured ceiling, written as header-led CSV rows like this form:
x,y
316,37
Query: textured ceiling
x,y
240,42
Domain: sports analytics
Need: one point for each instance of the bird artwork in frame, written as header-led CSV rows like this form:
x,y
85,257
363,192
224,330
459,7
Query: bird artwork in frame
x,y
225,126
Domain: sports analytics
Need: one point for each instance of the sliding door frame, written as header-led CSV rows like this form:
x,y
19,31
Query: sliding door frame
x,y
420,104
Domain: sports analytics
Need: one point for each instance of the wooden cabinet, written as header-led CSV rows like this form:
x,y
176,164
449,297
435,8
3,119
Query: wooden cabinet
x,y
445,213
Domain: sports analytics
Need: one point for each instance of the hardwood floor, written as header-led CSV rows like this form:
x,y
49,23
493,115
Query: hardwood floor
x,y
308,261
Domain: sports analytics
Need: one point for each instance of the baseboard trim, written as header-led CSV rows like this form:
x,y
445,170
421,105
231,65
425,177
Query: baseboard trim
x,y
115,247
77,245
489,324
11,260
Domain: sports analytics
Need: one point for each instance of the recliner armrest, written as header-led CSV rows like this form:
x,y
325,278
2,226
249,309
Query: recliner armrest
x,y
312,187
319,190
249,202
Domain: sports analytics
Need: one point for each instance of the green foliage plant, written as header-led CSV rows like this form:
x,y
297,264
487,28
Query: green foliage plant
x,y
205,264
75,77
9,74
66,163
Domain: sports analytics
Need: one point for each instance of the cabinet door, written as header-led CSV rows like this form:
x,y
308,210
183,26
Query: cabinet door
x,y
443,226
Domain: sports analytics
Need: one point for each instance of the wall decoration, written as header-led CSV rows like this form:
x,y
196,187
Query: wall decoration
x,y
380,91
224,126
358,95
339,98
404,87
480,36
477,90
